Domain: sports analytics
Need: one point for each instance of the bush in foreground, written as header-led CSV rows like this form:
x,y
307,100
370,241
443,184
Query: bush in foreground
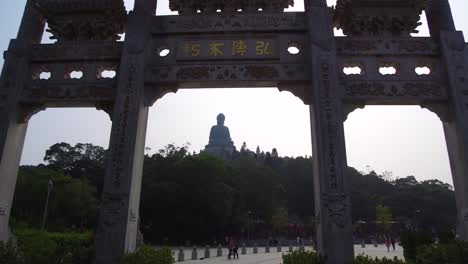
x,y
362,259
411,241
40,247
303,257
149,255
9,253
455,252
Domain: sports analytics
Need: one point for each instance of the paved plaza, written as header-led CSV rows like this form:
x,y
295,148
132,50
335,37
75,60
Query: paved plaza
x,y
274,257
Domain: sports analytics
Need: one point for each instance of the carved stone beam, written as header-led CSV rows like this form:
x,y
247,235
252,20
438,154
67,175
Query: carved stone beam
x,y
302,91
439,17
146,6
311,3
348,108
154,93
440,108
26,111
106,107
32,25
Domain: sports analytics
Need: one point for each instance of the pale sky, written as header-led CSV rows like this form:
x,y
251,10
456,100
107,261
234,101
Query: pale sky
x,y
405,140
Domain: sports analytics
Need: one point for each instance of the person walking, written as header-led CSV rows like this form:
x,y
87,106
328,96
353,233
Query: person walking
x,y
387,244
231,247
235,249
392,240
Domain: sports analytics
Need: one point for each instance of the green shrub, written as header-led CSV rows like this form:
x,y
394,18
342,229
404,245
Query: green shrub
x,y
410,241
40,247
303,257
9,253
455,252
149,255
362,259
446,237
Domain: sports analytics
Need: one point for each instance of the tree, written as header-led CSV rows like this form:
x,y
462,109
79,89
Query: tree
x,y
61,156
387,175
243,148
72,202
79,161
181,191
383,217
279,218
274,153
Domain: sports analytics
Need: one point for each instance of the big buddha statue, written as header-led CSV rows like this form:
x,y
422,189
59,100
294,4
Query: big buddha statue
x,y
220,143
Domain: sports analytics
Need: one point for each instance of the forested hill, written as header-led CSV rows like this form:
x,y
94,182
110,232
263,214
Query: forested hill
x,y
197,197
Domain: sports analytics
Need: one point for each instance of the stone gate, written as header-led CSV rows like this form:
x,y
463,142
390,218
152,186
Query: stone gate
x,y
232,43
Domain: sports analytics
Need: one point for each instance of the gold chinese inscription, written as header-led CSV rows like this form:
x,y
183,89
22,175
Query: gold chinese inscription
x,y
192,49
263,48
222,49
216,49
239,48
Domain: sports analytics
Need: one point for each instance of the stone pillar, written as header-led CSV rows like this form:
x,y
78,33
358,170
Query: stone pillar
x,y
439,17
207,252
332,194
13,124
32,25
194,253
146,6
181,257
119,211
455,58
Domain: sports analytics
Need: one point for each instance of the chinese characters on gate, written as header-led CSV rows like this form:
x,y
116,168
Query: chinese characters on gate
x,y
225,49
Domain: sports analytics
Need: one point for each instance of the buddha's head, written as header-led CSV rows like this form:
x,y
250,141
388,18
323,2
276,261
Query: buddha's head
x,y
220,119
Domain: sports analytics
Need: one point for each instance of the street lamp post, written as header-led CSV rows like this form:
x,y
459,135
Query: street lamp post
x,y
248,225
416,220
50,185
83,177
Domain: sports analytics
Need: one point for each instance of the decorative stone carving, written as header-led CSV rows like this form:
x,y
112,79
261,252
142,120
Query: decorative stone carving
x,y
295,21
387,89
67,51
112,209
375,46
376,18
72,92
187,7
3,210
72,20
328,113
193,73
229,72
261,72
465,215
120,150
336,205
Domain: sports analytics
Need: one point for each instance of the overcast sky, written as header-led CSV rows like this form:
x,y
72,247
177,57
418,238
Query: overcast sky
x,y
406,140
